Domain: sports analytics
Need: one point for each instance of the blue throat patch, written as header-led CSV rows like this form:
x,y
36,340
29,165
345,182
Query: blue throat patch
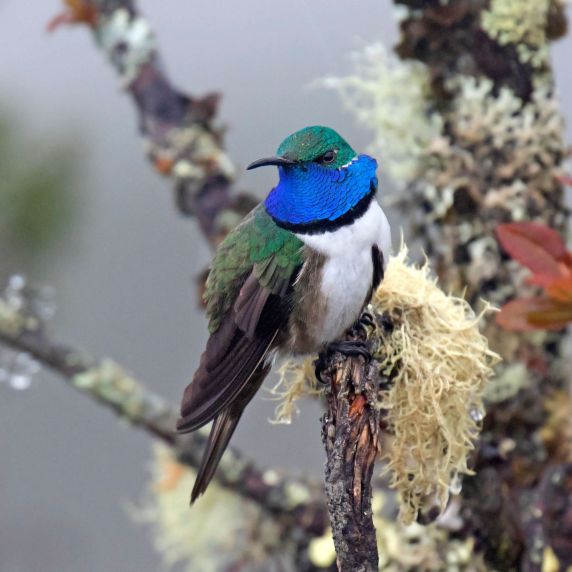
x,y
311,197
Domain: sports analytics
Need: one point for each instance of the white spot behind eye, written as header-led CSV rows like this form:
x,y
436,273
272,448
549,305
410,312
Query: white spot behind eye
x,y
348,163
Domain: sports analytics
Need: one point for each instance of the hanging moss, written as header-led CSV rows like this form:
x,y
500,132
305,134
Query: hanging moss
x,y
438,363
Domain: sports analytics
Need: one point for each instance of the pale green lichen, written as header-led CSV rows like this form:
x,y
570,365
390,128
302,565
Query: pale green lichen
x,y
13,322
192,150
113,385
525,139
513,378
403,548
322,551
128,42
392,98
522,23
195,537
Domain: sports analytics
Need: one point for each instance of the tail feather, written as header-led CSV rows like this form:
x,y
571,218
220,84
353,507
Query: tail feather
x,y
223,427
222,430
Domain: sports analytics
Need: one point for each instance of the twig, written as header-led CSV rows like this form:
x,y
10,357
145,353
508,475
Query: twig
x,y
350,431
296,502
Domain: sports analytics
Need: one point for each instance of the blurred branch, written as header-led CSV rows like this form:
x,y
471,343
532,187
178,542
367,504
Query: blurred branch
x,y
110,385
181,137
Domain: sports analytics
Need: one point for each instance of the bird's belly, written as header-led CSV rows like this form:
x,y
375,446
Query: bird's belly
x,y
345,285
329,296
335,281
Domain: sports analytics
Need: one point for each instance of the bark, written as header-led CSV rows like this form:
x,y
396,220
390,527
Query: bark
x,y
350,431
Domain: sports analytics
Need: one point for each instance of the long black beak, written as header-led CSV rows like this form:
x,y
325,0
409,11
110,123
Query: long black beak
x,y
278,161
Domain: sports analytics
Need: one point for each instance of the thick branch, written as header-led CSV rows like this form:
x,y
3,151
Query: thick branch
x,y
110,385
497,171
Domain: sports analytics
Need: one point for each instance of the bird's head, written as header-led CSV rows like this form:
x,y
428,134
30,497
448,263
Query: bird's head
x,y
316,144
323,182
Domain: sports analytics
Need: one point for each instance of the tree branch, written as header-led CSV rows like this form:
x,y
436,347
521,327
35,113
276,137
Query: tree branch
x,y
113,387
181,137
350,431
479,55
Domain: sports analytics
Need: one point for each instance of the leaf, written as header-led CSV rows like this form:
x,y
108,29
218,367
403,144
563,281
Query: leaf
x,y
529,314
535,246
560,290
553,316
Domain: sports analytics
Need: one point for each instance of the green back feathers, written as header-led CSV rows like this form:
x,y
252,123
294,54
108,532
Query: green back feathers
x,y
256,245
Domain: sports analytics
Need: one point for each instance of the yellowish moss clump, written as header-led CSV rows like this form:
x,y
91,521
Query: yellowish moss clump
x,y
296,378
439,363
195,536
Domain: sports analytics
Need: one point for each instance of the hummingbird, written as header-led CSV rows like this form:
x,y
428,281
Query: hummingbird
x,y
291,278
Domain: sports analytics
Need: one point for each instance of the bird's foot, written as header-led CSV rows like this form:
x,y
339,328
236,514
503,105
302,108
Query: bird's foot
x,y
320,365
350,348
364,325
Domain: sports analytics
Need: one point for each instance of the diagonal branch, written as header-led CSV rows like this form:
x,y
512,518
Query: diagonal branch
x,y
181,137
110,385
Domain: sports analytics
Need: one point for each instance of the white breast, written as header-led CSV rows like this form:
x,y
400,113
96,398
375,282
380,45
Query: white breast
x,y
348,271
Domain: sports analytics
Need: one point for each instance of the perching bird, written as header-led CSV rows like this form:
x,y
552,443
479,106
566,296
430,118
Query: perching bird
x,y
292,277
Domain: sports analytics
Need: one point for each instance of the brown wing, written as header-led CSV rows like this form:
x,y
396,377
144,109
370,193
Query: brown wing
x,y
237,350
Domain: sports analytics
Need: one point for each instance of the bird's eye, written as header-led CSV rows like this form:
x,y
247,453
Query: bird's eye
x,y
328,157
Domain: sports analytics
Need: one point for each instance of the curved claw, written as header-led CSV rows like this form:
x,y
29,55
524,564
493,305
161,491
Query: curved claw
x,y
319,366
351,348
367,319
360,328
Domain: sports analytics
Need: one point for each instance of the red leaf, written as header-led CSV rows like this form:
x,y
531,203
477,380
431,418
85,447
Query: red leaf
x,y
553,316
528,314
535,246
560,290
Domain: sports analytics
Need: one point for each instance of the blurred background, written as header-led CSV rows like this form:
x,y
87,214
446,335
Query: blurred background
x,y
96,223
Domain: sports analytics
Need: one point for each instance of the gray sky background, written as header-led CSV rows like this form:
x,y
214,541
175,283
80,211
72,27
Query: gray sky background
x,y
125,276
